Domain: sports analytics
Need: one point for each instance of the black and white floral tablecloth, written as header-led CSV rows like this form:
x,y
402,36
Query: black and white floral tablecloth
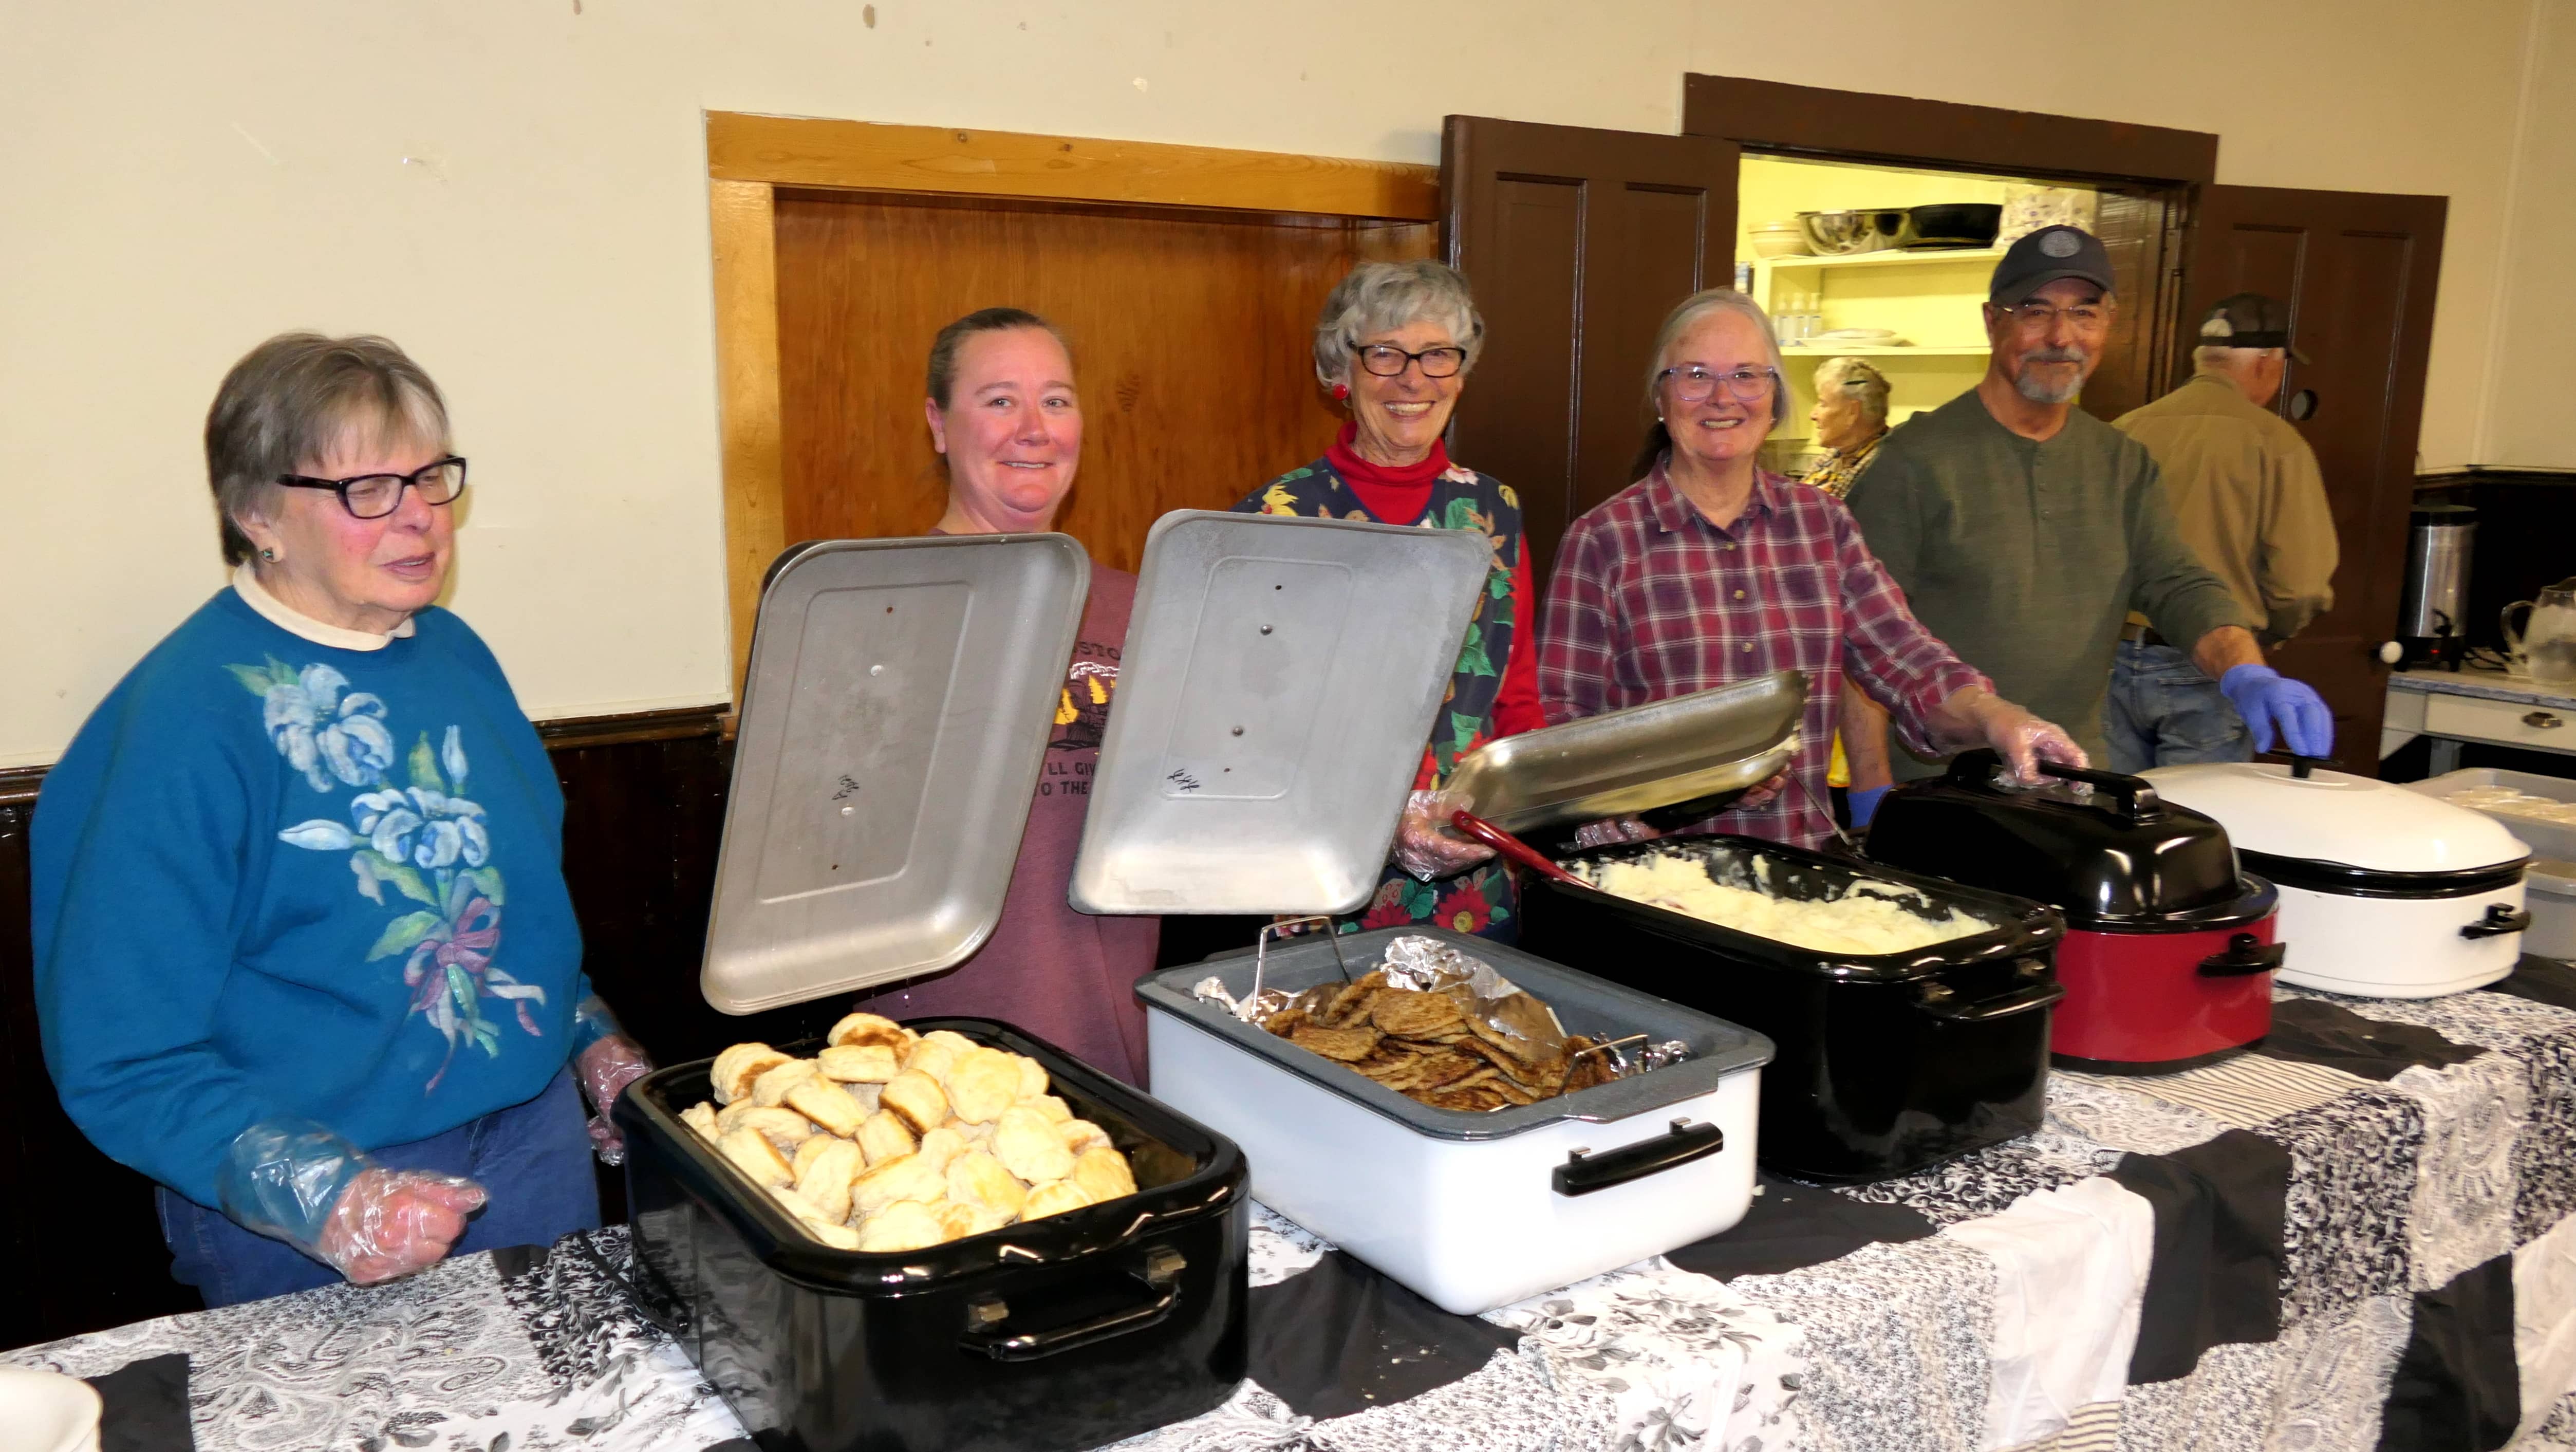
x,y
2362,1237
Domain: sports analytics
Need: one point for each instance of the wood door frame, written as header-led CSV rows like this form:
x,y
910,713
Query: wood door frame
x,y
1774,116
750,157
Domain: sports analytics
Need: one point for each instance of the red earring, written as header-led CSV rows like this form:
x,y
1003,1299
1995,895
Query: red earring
x,y
1341,390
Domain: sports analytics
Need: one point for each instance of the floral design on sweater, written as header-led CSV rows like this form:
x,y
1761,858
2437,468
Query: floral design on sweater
x,y
427,841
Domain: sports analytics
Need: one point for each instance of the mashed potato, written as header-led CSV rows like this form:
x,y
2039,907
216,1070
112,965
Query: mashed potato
x,y
1862,920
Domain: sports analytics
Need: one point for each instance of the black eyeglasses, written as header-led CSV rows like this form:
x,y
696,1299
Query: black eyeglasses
x,y
1387,360
1693,384
373,496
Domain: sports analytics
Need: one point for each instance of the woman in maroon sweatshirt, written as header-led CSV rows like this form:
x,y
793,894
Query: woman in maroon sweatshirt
x,y
1003,409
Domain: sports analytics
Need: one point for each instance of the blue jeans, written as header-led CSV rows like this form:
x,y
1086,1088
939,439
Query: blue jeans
x,y
533,1158
2163,712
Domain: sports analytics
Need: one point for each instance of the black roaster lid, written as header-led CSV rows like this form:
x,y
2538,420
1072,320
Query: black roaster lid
x,y
2100,846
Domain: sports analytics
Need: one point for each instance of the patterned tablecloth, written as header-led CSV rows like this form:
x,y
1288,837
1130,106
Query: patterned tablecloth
x,y
2362,1237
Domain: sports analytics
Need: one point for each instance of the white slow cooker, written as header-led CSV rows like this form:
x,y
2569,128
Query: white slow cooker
x,y
2384,893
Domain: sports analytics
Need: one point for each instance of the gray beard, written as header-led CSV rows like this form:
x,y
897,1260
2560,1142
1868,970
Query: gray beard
x,y
2038,391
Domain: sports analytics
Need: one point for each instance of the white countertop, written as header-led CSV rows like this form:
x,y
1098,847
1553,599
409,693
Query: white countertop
x,y
2492,685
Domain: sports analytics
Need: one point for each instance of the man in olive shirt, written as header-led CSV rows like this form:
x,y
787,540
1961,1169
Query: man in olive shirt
x,y
2024,531
2247,494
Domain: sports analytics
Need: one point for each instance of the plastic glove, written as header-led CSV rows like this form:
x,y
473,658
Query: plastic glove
x,y
605,1066
2266,698
1425,844
1864,802
2023,740
1610,830
293,1180
1761,792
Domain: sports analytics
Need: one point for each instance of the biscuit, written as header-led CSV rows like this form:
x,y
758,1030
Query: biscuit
x,y
857,1063
1050,1106
935,1053
1030,1146
905,1177
957,1221
839,1237
861,1029
903,1225
701,1117
731,1075
796,1204
755,1156
825,1103
729,1118
884,1137
1053,1198
771,1086
976,1178
981,1083
826,1180
808,1148
918,1098
1033,1076
1082,1134
1102,1174
784,1128
942,1145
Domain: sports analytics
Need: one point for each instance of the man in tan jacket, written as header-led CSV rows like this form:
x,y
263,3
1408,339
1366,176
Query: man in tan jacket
x,y
2246,491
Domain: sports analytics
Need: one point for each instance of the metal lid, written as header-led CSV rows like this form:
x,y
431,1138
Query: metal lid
x,y
2333,817
1619,763
2443,516
1279,680
893,725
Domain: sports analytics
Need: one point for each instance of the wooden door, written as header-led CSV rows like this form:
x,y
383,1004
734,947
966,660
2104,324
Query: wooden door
x,y
1192,342
1577,243
2358,271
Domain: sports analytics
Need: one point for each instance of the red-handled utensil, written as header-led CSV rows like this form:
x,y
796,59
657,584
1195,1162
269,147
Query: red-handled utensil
x,y
1511,847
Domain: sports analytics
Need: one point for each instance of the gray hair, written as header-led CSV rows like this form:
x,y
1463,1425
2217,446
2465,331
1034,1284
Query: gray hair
x,y
1680,320
1857,381
291,401
2215,355
1380,297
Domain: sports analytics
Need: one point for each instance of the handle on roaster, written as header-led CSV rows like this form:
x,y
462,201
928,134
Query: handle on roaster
x,y
1512,847
2499,921
1584,1172
2244,956
2138,799
986,1316
1943,1002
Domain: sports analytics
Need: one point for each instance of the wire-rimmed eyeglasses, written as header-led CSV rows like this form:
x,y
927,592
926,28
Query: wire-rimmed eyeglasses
x,y
1694,384
373,496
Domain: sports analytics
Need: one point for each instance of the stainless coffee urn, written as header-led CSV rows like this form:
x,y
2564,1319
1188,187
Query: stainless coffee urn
x,y
2432,621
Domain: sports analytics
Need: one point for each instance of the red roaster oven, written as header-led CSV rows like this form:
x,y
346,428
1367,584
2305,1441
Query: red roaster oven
x,y
2168,955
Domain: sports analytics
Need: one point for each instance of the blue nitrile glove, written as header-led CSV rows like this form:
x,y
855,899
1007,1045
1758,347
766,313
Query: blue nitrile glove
x,y
1864,802
2265,698
296,1181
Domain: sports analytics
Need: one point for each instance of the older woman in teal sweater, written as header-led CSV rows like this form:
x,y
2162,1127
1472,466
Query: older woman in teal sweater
x,y
304,953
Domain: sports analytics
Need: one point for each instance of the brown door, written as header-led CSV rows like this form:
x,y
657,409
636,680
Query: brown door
x,y
1577,243
2357,269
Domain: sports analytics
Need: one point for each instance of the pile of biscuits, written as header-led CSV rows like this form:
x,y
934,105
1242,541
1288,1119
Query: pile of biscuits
x,y
1436,1049
890,1140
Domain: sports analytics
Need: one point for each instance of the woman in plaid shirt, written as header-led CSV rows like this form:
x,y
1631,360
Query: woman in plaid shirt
x,y
1711,569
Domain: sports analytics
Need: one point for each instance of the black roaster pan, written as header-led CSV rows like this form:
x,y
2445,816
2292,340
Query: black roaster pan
x,y
1065,1333
1885,1063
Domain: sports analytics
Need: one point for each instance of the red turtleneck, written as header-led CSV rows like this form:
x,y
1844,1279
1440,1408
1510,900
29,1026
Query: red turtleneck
x,y
1398,494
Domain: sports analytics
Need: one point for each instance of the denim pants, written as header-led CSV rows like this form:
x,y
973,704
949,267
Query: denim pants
x,y
2163,712
533,1159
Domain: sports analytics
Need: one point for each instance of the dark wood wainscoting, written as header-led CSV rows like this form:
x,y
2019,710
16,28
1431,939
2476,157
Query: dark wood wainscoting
x,y
644,813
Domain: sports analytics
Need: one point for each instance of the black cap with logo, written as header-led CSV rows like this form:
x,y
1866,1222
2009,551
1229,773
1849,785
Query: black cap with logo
x,y
2249,320
2046,256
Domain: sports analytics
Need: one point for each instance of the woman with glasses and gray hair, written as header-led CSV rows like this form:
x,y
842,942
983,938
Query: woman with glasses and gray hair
x,y
304,952
1850,417
1394,345
1710,569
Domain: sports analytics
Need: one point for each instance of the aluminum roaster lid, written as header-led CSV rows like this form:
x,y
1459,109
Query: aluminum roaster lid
x,y
1277,688
1619,763
893,725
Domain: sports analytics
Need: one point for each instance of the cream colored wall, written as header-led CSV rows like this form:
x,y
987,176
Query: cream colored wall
x,y
2532,365
517,193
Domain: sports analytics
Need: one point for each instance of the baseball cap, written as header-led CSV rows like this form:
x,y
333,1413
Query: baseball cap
x,y
2249,320
2044,257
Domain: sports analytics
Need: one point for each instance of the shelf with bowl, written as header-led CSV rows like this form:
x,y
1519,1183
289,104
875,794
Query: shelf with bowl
x,y
1882,350
1923,257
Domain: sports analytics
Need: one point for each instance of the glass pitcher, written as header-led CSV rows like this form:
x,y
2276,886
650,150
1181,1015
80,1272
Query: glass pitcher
x,y
2545,648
